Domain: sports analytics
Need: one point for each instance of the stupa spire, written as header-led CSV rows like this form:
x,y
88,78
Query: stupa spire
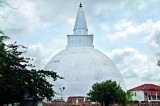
x,y
80,27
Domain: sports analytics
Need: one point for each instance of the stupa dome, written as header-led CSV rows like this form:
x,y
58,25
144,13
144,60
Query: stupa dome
x,y
80,64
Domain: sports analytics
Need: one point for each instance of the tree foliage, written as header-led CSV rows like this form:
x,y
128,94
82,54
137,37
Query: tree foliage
x,y
19,79
129,96
107,92
5,2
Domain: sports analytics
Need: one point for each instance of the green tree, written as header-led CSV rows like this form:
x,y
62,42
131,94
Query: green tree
x,y
18,79
129,97
107,92
39,86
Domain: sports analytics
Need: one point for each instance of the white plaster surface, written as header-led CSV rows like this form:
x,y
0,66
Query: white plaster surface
x,y
82,67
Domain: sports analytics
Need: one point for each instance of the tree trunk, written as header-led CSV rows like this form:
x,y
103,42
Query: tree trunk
x,y
106,103
1,104
101,103
35,101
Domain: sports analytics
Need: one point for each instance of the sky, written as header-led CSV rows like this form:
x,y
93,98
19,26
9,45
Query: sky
x,y
127,31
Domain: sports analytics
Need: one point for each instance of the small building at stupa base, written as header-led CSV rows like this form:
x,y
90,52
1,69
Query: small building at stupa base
x,y
146,93
81,64
73,101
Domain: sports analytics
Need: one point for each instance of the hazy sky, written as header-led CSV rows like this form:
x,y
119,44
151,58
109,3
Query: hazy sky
x,y
127,31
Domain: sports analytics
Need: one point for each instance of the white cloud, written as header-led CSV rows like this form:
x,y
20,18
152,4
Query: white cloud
x,y
104,27
153,39
41,54
123,24
126,29
24,19
71,21
135,67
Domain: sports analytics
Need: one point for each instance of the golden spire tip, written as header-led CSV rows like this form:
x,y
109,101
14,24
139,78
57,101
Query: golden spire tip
x,y
80,5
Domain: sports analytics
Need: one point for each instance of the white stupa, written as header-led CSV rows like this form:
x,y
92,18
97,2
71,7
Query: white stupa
x,y
80,64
